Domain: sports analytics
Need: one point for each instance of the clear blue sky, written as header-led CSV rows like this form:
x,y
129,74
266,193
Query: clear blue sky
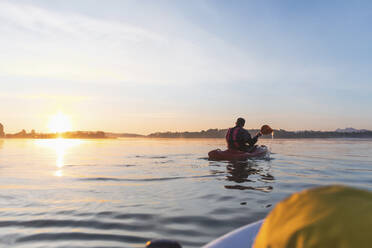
x,y
144,66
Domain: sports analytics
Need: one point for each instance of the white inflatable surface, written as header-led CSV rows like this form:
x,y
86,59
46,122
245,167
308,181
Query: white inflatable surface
x,y
242,237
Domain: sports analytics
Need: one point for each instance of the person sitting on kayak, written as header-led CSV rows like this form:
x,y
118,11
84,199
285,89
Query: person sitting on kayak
x,y
239,138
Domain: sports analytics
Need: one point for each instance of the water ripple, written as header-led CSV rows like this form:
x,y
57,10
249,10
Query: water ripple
x,y
142,179
122,193
67,236
47,223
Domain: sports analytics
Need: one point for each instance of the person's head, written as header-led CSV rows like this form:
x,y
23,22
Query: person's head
x,y
240,122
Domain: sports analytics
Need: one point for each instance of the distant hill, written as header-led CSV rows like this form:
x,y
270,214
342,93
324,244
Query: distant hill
x,y
350,130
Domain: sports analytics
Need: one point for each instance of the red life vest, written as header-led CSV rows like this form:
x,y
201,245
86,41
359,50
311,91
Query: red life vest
x,y
231,138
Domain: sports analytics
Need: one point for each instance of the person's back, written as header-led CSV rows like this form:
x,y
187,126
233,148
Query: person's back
x,y
237,137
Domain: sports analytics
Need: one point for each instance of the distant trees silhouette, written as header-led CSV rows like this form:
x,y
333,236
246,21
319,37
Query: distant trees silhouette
x,y
66,135
2,134
210,133
281,134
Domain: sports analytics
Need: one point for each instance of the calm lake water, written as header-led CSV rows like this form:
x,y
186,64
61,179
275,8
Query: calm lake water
x,y
121,193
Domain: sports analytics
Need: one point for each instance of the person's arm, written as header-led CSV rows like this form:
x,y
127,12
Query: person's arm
x,y
248,138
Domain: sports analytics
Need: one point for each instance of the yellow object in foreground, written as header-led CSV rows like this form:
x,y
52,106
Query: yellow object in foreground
x,y
331,216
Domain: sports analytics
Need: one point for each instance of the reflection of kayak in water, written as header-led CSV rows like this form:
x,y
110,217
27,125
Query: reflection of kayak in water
x,y
259,151
241,237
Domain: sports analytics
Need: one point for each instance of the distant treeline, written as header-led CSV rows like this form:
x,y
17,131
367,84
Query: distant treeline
x,y
67,135
124,135
281,134
210,133
320,134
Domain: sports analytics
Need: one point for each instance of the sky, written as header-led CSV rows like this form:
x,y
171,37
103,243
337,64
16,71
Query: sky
x,y
172,65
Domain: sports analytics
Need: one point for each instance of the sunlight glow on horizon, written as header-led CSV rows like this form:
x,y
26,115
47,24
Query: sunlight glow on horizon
x,y
59,123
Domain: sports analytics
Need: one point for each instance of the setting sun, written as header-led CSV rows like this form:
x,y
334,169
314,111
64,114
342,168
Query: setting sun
x,y
59,123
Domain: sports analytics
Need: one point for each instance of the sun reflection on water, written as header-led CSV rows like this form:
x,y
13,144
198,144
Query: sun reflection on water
x,y
60,146
58,173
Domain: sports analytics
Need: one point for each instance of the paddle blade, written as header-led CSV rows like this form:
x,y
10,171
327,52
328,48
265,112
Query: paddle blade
x,y
266,129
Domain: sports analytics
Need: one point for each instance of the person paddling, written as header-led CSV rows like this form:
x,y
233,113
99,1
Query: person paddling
x,y
238,138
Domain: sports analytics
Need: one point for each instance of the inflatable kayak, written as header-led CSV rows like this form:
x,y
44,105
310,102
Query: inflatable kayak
x,y
229,154
239,238
242,237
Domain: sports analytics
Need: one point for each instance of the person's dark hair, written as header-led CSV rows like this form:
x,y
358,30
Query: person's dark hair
x,y
240,122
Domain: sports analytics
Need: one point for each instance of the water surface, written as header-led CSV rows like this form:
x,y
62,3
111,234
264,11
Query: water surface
x,y
123,192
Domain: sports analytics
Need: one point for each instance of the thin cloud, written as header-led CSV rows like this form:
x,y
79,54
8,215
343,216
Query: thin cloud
x,y
71,46
45,22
